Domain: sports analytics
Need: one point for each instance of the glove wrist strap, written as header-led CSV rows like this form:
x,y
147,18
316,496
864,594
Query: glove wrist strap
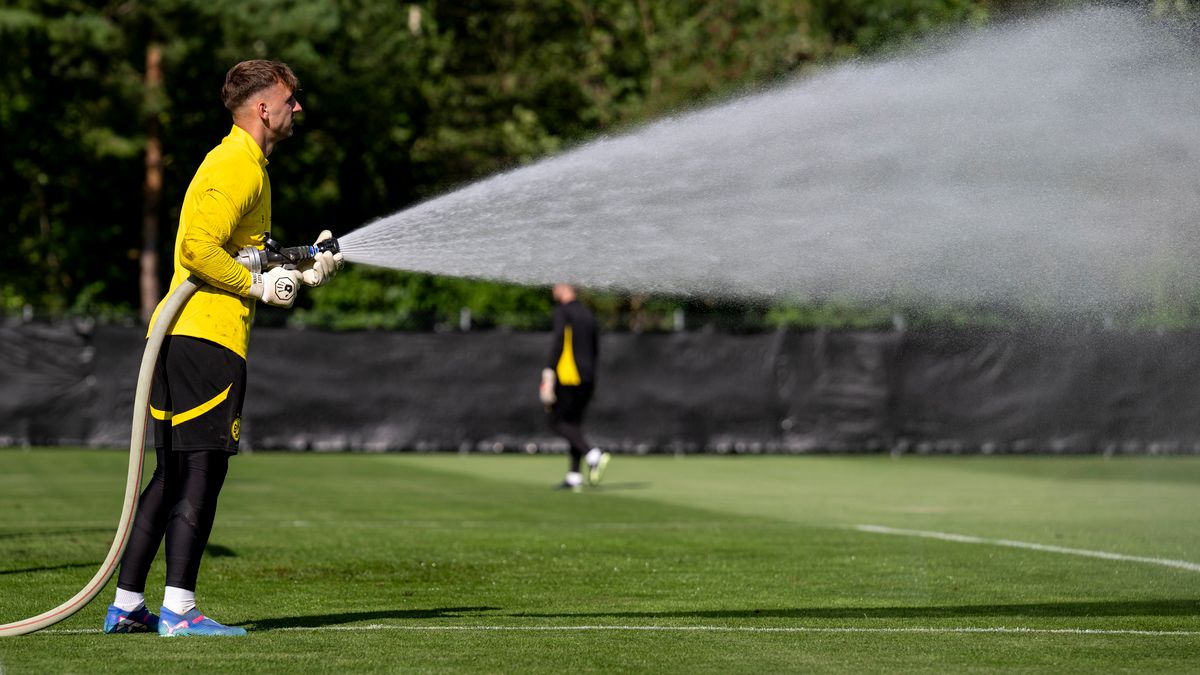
x,y
256,285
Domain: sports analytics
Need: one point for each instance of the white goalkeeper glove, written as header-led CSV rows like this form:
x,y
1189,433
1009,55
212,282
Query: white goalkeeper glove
x,y
275,287
323,266
546,391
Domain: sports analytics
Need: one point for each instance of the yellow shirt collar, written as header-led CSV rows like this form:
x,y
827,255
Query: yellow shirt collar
x,y
242,138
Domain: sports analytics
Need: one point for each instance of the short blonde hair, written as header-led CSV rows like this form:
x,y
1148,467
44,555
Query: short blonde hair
x,y
250,77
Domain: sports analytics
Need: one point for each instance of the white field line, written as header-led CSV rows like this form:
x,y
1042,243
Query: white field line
x,y
967,539
1006,630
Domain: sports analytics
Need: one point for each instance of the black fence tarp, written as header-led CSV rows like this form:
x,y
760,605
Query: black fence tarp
x,y
788,391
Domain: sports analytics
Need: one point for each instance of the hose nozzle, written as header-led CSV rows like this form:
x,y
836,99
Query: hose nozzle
x,y
273,255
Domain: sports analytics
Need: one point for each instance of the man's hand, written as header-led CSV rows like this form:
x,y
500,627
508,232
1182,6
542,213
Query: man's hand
x,y
546,391
323,266
276,287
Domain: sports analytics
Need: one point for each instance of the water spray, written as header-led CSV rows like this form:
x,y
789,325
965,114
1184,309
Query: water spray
x,y
272,255
1046,164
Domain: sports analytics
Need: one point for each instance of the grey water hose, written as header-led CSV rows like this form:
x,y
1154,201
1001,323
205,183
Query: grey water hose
x,y
133,480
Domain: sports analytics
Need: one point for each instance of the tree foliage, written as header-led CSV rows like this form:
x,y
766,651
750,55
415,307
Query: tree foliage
x,y
402,102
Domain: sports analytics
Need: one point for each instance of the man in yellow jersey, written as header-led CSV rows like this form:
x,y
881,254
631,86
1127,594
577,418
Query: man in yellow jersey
x,y
199,380
568,381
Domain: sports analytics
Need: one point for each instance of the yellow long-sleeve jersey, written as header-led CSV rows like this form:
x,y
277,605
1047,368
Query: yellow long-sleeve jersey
x,y
226,208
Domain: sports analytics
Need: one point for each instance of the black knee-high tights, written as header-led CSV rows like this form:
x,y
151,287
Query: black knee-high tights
x,y
181,502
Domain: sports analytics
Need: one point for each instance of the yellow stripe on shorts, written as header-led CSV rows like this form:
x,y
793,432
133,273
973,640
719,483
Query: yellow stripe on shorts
x,y
179,418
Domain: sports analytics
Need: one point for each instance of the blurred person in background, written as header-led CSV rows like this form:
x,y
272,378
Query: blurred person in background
x,y
568,381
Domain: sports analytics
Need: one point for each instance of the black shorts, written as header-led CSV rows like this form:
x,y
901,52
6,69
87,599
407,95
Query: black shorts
x,y
571,403
196,399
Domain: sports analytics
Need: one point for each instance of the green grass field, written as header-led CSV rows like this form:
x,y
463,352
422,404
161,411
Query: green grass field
x,y
418,563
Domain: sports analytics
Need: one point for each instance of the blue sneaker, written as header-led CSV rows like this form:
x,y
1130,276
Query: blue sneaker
x,y
192,623
138,621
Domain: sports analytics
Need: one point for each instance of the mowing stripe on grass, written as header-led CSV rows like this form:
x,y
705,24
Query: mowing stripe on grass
x,y
770,629
967,539
723,629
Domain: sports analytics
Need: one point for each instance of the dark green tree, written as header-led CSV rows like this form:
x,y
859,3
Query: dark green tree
x,y
402,102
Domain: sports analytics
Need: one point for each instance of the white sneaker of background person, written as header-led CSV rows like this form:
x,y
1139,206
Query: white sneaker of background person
x,y
597,462
572,482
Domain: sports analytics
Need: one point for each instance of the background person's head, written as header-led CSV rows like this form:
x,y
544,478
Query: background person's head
x,y
261,94
563,293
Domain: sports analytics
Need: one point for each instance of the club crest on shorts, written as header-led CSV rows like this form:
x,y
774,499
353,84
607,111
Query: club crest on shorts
x,y
236,430
284,288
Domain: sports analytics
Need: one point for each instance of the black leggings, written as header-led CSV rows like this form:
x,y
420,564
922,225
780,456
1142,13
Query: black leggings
x,y
181,502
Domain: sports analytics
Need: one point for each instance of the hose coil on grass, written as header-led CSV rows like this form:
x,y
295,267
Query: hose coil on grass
x,y
166,316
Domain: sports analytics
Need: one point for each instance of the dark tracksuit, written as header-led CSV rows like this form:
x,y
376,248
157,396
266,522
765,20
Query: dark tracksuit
x,y
573,356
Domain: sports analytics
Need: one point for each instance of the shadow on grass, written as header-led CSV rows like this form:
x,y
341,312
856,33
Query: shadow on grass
x,y
218,551
1173,607
614,487
50,568
321,620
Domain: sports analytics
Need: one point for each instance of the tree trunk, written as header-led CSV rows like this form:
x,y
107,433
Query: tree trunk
x,y
152,187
